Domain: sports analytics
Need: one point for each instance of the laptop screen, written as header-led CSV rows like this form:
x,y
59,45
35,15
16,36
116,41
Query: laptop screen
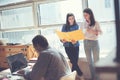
x,y
17,62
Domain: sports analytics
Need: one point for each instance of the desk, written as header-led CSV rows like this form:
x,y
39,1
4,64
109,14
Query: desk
x,y
7,74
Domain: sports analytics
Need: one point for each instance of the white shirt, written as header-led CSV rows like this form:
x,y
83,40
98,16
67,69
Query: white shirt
x,y
91,32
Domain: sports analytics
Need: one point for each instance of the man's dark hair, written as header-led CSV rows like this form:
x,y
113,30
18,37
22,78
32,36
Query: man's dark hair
x,y
40,40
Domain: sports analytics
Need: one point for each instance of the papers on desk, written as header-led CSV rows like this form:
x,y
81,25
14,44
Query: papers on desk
x,y
6,75
73,35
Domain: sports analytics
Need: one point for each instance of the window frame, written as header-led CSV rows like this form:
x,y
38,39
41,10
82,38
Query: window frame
x,y
117,20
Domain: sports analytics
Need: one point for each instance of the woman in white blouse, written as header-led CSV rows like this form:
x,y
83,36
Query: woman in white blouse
x,y
91,46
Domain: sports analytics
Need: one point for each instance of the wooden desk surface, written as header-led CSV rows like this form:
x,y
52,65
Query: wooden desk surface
x,y
108,64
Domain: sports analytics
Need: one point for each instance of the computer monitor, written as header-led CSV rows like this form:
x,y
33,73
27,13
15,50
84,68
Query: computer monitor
x,y
17,62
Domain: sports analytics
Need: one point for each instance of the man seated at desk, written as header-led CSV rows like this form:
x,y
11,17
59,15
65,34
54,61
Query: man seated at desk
x,y
51,64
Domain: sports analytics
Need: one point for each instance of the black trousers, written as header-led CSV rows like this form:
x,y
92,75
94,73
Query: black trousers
x,y
73,55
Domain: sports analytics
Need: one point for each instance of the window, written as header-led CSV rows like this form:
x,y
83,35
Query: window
x,y
107,3
103,9
17,18
24,37
4,2
55,13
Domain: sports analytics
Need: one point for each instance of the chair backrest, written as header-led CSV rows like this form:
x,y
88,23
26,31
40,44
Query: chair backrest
x,y
70,76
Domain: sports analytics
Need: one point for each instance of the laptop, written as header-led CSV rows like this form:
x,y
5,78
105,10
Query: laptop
x,y
17,62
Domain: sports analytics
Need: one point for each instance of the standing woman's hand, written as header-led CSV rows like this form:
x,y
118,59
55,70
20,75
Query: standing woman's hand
x,y
73,41
90,30
98,32
63,41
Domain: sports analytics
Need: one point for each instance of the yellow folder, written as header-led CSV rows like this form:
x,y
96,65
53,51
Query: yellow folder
x,y
73,35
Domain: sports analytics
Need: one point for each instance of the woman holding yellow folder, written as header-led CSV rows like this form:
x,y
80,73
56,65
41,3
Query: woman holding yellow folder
x,y
72,47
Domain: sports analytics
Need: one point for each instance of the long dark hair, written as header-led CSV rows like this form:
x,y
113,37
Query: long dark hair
x,y
90,12
67,25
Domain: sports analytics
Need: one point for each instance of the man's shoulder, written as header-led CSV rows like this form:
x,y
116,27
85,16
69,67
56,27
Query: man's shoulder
x,y
46,54
49,51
